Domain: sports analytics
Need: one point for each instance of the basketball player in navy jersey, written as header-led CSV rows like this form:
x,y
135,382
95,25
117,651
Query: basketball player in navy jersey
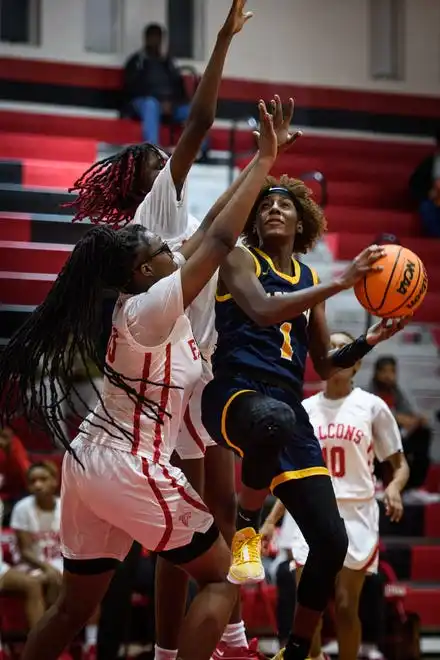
x,y
269,314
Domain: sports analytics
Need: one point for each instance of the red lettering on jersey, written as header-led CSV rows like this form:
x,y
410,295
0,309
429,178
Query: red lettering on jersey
x,y
331,430
111,346
322,435
358,437
340,431
349,433
194,349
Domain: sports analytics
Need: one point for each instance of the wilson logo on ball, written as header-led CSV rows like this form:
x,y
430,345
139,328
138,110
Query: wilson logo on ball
x,y
408,277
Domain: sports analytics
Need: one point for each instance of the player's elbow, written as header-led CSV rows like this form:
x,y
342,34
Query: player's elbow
x,y
222,240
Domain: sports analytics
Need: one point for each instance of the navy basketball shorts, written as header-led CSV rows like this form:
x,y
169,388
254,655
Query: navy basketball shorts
x,y
300,455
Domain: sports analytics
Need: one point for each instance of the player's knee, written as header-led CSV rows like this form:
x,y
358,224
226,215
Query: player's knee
x,y
273,422
346,613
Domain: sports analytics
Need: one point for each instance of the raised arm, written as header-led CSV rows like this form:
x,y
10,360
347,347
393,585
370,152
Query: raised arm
x,y
222,235
204,104
285,139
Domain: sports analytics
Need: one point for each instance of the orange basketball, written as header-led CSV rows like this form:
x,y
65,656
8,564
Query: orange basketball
x,y
398,289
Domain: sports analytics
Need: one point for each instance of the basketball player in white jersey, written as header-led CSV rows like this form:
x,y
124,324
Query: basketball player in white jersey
x,y
208,467
353,427
118,483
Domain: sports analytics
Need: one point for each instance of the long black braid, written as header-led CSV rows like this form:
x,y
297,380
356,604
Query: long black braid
x,y
111,189
38,364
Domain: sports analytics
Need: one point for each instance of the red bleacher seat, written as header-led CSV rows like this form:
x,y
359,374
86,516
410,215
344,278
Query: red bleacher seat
x,y
425,563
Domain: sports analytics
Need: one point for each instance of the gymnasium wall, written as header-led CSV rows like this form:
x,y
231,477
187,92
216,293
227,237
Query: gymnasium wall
x,y
312,42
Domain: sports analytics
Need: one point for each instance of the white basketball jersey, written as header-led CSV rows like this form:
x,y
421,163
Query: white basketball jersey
x,y
162,213
172,366
351,431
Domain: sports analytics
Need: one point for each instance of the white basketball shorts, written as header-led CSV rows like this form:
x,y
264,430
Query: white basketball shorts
x,y
193,438
117,498
361,520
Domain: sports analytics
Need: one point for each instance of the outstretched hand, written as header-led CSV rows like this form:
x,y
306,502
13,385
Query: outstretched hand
x,y
236,18
281,124
385,329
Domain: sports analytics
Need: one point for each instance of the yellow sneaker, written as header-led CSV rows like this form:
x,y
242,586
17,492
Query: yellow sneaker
x,y
246,567
279,655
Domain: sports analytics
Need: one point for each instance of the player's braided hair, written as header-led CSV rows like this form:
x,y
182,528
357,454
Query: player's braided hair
x,y
311,215
112,188
37,366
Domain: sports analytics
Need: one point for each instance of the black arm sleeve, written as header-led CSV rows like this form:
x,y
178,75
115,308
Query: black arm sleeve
x,y
348,355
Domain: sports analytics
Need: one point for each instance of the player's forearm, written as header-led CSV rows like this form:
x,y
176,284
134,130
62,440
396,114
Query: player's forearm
x,y
400,470
341,358
227,195
276,309
204,103
278,511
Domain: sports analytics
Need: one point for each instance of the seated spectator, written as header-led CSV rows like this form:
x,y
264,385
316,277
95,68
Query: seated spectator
x,y
36,521
425,189
416,434
154,87
14,464
16,582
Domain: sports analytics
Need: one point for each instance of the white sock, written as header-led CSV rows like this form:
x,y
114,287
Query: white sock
x,y
235,635
91,635
164,654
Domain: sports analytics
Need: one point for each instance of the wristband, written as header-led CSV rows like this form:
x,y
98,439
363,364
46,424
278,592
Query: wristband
x,y
348,355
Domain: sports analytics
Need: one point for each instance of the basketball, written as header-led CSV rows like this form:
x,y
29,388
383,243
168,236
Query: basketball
x,y
397,290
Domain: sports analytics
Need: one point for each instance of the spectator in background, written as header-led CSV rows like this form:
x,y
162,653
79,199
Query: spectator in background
x,y
14,464
425,189
416,434
154,86
36,521
16,582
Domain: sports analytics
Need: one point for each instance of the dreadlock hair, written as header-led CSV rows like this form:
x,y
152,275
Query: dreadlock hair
x,y
311,215
111,189
65,328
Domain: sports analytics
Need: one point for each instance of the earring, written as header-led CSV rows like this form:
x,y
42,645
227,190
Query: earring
x,y
299,228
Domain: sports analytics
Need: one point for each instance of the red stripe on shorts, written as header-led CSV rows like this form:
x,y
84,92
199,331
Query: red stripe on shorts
x,y
192,430
163,505
372,558
183,494
138,406
163,403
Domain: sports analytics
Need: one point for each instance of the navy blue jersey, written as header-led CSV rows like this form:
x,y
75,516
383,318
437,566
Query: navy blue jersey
x,y
279,350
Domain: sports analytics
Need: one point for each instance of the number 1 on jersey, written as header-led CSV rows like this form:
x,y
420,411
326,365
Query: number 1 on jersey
x,y
286,348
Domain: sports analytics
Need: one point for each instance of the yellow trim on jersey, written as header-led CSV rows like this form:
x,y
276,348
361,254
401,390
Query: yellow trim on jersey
x,y
315,276
223,421
293,279
256,262
228,296
298,474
